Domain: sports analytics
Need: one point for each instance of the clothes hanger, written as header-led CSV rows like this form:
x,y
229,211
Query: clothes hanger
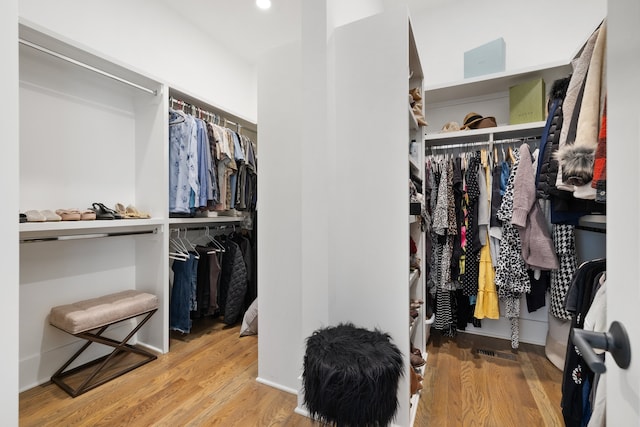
x,y
180,252
512,157
180,119
190,246
218,246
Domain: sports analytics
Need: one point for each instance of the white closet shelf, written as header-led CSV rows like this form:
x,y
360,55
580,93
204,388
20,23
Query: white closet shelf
x,y
490,83
416,397
522,130
594,221
75,229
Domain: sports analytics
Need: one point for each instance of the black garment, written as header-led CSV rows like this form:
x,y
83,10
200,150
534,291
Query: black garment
x,y
472,249
496,196
458,251
577,375
546,185
233,282
536,297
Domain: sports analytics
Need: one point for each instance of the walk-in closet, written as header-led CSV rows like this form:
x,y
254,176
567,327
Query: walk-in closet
x,y
268,171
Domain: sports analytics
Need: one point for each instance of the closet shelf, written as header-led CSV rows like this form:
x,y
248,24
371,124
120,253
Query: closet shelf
x,y
491,83
416,397
594,221
523,130
45,230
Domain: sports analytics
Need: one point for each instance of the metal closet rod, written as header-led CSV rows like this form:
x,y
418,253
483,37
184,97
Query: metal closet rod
x,y
86,236
87,66
198,227
195,109
481,143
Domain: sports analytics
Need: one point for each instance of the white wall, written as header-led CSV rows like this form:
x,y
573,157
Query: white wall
x,y
535,32
9,214
280,217
623,231
146,36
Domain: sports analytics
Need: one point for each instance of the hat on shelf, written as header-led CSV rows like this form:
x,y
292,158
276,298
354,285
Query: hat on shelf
x,y
450,127
476,121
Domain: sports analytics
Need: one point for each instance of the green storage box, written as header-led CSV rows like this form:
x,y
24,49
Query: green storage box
x,y
527,102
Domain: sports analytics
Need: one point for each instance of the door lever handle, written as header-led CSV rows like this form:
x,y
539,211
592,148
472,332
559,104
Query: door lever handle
x,y
616,342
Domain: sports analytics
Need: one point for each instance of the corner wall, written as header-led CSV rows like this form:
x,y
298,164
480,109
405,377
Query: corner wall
x,y
9,214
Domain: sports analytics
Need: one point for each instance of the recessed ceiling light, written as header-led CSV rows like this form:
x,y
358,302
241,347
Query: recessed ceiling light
x,y
263,4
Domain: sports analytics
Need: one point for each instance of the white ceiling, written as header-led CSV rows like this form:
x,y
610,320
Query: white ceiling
x,y
246,30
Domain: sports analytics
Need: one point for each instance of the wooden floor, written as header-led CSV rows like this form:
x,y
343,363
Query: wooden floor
x,y
208,379
479,381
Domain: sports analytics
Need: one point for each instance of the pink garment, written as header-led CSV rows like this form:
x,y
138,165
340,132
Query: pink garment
x,y
537,247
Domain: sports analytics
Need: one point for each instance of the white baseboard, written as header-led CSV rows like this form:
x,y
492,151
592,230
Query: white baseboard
x,y
276,385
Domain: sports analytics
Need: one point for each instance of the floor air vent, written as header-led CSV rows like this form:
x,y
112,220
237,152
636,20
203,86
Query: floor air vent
x,y
492,353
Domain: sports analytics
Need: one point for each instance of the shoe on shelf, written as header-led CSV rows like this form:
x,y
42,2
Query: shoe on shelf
x,y
103,212
69,214
23,217
415,94
415,382
50,215
133,212
35,216
416,361
415,350
88,215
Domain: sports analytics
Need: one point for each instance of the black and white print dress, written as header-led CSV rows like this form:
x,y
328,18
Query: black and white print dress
x,y
511,277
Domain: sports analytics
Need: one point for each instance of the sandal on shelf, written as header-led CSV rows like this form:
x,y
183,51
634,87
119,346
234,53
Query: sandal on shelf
x,y
49,215
88,215
103,212
132,212
69,214
35,216
122,210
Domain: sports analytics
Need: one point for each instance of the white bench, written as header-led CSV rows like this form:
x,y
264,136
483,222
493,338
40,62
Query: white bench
x,y
82,318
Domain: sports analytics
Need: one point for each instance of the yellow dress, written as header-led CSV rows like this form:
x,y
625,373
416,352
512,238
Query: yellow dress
x,y
487,299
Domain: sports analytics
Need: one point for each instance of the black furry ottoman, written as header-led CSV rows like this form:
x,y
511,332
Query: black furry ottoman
x,y
351,376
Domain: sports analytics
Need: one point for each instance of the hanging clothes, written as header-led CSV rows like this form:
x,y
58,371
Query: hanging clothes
x,y
210,167
233,283
511,277
487,305
577,376
183,162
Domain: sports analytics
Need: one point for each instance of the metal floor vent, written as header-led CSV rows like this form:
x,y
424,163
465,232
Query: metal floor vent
x,y
492,353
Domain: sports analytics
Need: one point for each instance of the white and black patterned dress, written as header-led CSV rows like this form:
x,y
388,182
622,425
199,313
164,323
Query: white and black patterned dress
x,y
511,272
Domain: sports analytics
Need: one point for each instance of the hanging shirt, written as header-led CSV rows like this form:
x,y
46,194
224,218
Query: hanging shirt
x,y
204,163
182,155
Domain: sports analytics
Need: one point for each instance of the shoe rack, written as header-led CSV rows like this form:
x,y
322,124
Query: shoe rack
x,y
417,294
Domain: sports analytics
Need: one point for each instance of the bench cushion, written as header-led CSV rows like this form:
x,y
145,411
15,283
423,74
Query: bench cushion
x,y
97,312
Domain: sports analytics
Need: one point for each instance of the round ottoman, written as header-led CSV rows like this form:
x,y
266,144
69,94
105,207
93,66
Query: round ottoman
x,y
351,376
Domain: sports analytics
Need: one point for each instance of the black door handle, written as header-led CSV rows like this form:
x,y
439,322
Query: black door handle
x,y
616,342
